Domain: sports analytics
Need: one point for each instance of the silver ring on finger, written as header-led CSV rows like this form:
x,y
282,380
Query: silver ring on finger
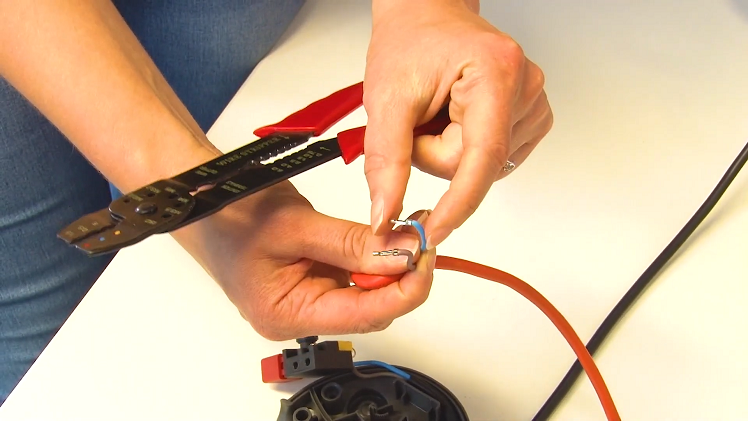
x,y
509,166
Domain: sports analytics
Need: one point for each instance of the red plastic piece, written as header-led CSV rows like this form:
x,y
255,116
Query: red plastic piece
x,y
320,115
272,370
365,281
351,141
436,125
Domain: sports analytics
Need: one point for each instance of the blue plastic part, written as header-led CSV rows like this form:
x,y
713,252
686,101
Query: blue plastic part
x,y
393,369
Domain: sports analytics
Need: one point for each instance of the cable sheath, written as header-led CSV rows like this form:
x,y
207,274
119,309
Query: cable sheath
x,y
641,285
527,291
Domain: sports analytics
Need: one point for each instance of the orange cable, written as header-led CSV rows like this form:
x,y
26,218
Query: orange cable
x,y
527,291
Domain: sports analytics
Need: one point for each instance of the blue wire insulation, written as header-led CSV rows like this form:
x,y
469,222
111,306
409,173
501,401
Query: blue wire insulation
x,y
421,232
393,369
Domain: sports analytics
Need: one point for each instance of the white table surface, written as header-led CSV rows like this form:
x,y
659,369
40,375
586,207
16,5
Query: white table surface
x,y
651,106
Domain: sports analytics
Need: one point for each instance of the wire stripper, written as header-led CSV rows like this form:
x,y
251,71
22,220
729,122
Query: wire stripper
x,y
169,204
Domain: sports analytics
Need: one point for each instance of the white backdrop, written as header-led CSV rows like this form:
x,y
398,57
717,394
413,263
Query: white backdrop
x,y
650,107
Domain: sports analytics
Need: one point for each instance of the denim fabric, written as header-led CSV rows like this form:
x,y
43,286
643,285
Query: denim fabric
x,y
206,49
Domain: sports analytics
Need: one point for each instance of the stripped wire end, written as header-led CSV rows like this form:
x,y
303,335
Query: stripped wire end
x,y
398,252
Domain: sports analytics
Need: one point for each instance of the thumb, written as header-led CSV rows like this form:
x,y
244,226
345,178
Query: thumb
x,y
388,144
350,246
373,310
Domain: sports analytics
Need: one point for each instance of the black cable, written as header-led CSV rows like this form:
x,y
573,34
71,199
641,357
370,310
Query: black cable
x,y
641,284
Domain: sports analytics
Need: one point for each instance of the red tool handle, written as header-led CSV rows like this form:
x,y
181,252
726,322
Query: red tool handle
x,y
317,117
366,281
320,115
352,141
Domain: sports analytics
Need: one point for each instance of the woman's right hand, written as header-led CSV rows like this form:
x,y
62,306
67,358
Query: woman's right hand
x,y
287,267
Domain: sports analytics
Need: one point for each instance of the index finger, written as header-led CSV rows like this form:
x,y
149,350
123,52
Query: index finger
x,y
388,145
486,132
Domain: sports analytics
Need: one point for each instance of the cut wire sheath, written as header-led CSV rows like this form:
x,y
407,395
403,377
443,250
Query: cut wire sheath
x,y
389,367
527,291
642,283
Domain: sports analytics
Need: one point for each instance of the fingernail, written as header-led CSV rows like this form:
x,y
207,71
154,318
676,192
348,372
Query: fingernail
x,y
436,237
377,213
401,240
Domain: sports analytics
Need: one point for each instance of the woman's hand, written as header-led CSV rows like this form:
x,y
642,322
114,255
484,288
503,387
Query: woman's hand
x,y
427,53
287,267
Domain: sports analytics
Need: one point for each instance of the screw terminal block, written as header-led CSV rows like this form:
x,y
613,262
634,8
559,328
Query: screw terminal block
x,y
309,360
316,360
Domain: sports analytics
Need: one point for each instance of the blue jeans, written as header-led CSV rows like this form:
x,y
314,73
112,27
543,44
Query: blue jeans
x,y
206,49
